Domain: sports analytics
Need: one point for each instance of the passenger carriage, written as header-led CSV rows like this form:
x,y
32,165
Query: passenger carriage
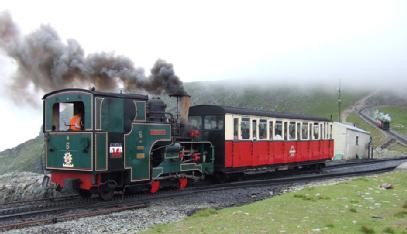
x,y
246,140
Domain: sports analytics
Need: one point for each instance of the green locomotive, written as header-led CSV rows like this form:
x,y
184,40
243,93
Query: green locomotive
x,y
123,140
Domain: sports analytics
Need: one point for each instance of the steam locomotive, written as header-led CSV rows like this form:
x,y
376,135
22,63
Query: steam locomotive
x,y
130,141
382,120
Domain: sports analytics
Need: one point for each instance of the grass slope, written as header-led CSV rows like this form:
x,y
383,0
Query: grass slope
x,y
24,157
398,118
357,206
378,137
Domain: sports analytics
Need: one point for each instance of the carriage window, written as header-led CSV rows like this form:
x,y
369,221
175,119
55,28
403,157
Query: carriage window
x,y
278,130
330,131
285,130
254,128
271,130
263,129
245,128
213,122
305,131
292,130
316,131
321,131
235,128
68,116
298,131
195,121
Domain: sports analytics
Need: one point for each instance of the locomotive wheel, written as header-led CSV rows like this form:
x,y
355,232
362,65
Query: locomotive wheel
x,y
85,193
182,183
106,191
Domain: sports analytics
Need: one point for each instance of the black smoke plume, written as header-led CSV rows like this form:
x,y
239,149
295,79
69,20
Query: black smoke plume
x,y
46,63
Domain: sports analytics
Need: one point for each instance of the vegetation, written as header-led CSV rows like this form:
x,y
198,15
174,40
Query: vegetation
x,y
378,137
399,148
24,157
357,206
398,118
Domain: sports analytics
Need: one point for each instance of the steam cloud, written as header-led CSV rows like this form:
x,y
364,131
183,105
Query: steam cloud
x,y
46,63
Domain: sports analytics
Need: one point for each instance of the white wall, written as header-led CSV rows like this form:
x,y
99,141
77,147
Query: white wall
x,y
345,142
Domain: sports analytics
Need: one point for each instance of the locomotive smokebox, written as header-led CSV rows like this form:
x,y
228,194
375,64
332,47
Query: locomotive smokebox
x,y
156,110
183,104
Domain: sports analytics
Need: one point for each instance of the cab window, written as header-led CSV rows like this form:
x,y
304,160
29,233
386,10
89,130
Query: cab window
x,y
213,122
195,121
68,116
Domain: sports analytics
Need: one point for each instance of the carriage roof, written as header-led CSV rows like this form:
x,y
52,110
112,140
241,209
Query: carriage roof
x,y
222,110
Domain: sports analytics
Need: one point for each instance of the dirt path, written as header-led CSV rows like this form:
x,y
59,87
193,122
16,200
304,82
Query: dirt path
x,y
355,108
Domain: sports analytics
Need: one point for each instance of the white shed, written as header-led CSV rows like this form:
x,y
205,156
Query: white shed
x,y
350,142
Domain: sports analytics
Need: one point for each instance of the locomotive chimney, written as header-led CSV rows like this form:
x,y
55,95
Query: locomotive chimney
x,y
183,103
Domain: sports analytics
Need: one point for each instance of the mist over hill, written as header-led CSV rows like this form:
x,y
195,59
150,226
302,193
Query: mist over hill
x,y
316,100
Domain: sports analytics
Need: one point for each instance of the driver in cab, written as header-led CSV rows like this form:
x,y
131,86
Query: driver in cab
x,y
75,124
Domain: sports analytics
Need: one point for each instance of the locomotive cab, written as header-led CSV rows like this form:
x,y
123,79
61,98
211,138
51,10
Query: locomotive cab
x,y
84,136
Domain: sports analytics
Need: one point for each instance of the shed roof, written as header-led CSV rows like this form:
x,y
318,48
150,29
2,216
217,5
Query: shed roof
x,y
351,127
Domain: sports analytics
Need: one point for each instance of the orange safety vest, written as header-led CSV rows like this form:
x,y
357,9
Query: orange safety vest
x,y
75,123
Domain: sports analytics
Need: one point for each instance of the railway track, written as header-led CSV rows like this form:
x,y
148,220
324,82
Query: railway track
x,y
25,214
391,133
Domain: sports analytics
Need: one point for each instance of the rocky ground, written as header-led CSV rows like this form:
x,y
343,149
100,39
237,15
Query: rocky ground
x,y
19,186
167,210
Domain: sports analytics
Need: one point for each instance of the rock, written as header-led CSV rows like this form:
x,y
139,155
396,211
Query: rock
x,y
402,166
386,186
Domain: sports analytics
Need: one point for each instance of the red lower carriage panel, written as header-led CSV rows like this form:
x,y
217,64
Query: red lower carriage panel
x,y
242,154
60,177
260,153
229,153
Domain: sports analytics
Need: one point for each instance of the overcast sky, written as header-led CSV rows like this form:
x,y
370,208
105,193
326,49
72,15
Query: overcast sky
x,y
214,40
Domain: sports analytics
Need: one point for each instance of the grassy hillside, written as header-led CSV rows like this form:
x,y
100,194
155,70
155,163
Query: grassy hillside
x,y
398,118
24,157
378,137
357,206
316,101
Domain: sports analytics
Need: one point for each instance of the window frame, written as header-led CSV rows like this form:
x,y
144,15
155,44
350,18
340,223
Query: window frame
x,y
281,123
236,137
271,127
264,121
244,119
315,124
254,128
305,124
290,124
